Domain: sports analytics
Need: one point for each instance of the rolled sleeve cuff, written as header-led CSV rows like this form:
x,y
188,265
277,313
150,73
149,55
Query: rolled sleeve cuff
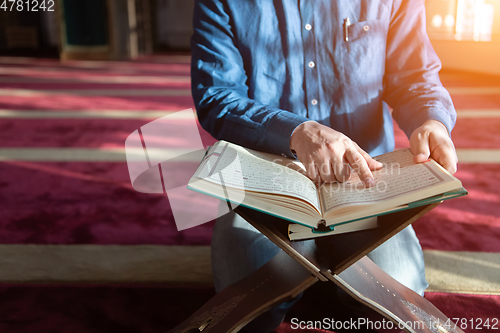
x,y
281,128
444,116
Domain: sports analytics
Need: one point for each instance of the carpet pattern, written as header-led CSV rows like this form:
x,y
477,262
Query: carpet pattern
x,y
64,183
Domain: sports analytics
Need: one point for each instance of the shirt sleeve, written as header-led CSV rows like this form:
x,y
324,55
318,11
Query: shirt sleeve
x,y
220,91
412,85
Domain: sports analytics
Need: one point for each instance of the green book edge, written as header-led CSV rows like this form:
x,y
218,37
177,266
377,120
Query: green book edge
x,y
441,197
434,199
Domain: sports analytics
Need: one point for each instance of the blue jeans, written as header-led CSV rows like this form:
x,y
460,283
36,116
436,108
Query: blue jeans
x,y
238,249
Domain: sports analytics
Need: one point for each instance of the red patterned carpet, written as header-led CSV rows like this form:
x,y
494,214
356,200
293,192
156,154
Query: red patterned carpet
x,y
63,181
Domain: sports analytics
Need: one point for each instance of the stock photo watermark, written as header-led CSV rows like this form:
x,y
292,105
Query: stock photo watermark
x,y
435,324
161,158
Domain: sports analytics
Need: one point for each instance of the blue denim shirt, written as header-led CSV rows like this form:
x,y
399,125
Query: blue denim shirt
x,y
262,67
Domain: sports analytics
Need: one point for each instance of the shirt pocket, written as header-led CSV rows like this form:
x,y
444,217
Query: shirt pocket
x,y
365,51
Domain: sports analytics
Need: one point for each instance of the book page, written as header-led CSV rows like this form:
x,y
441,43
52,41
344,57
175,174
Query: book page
x,y
249,170
399,175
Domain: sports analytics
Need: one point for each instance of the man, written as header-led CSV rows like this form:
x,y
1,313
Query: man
x,y
313,80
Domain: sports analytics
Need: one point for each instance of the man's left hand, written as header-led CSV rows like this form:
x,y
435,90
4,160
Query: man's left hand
x,y
432,140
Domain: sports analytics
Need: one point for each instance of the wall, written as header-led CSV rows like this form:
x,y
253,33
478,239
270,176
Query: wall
x,y
174,25
482,57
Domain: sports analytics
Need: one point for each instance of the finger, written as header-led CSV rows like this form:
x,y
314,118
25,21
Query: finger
x,y
326,172
311,170
419,145
358,163
445,155
372,164
341,168
318,179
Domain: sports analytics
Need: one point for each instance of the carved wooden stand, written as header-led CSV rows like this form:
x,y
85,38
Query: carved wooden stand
x,y
296,268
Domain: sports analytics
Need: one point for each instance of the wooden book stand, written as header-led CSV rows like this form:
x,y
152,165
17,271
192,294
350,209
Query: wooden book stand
x,y
296,268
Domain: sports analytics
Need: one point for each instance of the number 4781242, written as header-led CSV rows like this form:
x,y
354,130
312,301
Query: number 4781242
x,y
27,5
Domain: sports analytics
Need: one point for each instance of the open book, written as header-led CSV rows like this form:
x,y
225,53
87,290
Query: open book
x,y
278,186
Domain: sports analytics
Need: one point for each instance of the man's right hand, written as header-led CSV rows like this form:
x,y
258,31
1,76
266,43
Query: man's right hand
x,y
327,154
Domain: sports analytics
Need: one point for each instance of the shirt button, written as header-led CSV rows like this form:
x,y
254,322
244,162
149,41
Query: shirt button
x,y
311,64
314,102
308,27
366,28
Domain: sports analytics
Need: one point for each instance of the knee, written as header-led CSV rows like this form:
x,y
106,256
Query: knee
x,y
237,250
414,278
402,258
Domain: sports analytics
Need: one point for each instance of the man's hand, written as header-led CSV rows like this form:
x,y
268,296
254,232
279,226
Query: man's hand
x,y
432,140
327,154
